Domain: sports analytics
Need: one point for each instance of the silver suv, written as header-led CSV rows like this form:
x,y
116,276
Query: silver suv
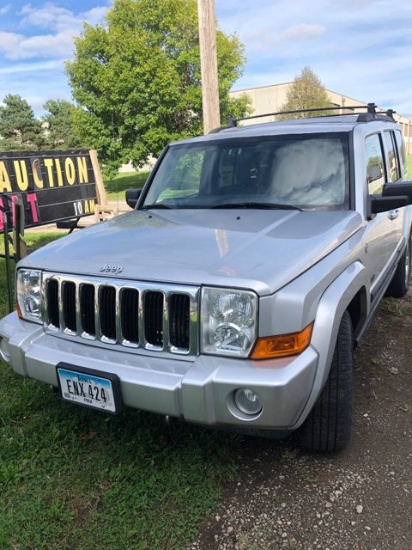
x,y
235,291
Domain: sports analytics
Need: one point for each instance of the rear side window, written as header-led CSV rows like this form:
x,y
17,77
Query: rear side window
x,y
375,166
402,153
392,157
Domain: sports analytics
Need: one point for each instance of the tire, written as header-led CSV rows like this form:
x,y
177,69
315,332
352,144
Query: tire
x,y
328,428
399,285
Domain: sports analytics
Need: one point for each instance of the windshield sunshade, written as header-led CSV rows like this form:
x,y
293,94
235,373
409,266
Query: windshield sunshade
x,y
305,172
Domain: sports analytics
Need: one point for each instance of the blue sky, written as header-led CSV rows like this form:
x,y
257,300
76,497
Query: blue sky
x,y
360,48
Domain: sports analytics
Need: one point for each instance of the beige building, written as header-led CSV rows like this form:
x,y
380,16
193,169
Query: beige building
x,y
269,99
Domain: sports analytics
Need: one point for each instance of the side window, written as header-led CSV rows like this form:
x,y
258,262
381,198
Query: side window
x,y
402,153
375,168
391,156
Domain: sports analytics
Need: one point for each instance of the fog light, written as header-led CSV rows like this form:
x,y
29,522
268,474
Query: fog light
x,y
247,401
4,350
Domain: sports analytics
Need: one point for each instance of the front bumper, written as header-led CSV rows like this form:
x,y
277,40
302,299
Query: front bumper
x,y
199,390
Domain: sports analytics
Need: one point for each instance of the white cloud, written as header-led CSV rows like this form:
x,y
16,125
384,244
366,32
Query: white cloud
x,y
266,38
5,9
356,4
31,68
48,16
35,44
17,46
62,25
53,17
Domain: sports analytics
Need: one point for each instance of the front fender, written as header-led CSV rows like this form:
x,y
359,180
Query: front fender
x,y
332,304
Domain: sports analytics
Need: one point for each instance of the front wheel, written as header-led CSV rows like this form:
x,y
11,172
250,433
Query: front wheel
x,y
328,428
399,285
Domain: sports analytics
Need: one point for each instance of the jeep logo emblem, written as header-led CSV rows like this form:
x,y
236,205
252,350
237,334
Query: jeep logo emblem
x,y
107,268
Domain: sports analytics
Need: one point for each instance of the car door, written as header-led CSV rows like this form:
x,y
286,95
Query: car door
x,y
385,229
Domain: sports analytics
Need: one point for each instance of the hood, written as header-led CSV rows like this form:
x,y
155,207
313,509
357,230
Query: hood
x,y
256,249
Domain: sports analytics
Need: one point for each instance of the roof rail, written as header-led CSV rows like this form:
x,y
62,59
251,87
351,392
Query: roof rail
x,y
370,111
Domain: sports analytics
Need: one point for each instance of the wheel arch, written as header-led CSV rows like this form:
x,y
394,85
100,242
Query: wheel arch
x,y
346,293
358,311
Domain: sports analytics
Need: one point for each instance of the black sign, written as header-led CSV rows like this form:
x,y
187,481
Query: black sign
x,y
52,185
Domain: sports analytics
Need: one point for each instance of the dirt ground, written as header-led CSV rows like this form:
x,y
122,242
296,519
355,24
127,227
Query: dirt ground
x,y
360,499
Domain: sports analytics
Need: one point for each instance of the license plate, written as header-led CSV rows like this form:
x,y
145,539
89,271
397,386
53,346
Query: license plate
x,y
95,389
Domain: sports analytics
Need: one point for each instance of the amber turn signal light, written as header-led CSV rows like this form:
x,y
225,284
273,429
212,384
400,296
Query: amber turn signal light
x,y
271,347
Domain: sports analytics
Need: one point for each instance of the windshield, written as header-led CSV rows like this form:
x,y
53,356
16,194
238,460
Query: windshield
x,y
277,171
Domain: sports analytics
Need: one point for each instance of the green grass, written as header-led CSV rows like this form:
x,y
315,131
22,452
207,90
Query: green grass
x,y
37,240
410,166
115,188
73,478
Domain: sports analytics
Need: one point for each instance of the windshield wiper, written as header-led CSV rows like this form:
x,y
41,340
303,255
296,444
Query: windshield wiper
x,y
263,205
158,205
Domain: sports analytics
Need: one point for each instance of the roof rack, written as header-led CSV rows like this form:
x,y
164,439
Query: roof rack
x,y
370,114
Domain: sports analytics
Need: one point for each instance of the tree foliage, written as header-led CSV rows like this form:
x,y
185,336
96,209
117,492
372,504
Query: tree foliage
x,y
137,79
60,124
306,92
19,128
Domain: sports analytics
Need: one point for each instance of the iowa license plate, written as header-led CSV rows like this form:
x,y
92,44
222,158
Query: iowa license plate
x,y
95,389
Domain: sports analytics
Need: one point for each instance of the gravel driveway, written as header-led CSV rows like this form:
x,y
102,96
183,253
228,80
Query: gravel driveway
x,y
358,500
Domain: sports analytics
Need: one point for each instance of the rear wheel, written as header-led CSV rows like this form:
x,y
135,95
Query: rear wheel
x,y
328,427
399,285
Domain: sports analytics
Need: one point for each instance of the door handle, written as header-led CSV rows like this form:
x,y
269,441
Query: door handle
x,y
393,214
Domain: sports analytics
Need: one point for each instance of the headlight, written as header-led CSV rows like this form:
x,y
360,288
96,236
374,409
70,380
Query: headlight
x,y
228,321
29,294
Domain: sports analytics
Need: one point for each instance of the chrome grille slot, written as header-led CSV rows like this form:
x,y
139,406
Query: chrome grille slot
x,y
52,297
153,318
107,312
87,310
179,321
129,315
132,315
69,306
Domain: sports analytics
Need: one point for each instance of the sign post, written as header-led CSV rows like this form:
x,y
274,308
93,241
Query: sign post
x,y
7,259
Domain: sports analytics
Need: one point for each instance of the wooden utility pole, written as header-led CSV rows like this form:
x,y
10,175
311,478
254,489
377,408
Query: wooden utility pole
x,y
208,64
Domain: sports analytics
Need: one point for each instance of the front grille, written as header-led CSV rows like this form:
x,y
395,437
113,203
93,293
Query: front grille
x,y
129,314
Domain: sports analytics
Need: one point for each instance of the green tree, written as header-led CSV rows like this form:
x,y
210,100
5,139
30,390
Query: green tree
x,y
60,124
306,92
137,79
18,126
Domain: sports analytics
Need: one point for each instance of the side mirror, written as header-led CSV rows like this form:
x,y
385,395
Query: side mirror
x,y
132,196
394,195
402,188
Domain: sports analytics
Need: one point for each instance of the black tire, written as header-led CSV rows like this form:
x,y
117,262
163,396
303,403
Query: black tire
x,y
399,285
328,428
